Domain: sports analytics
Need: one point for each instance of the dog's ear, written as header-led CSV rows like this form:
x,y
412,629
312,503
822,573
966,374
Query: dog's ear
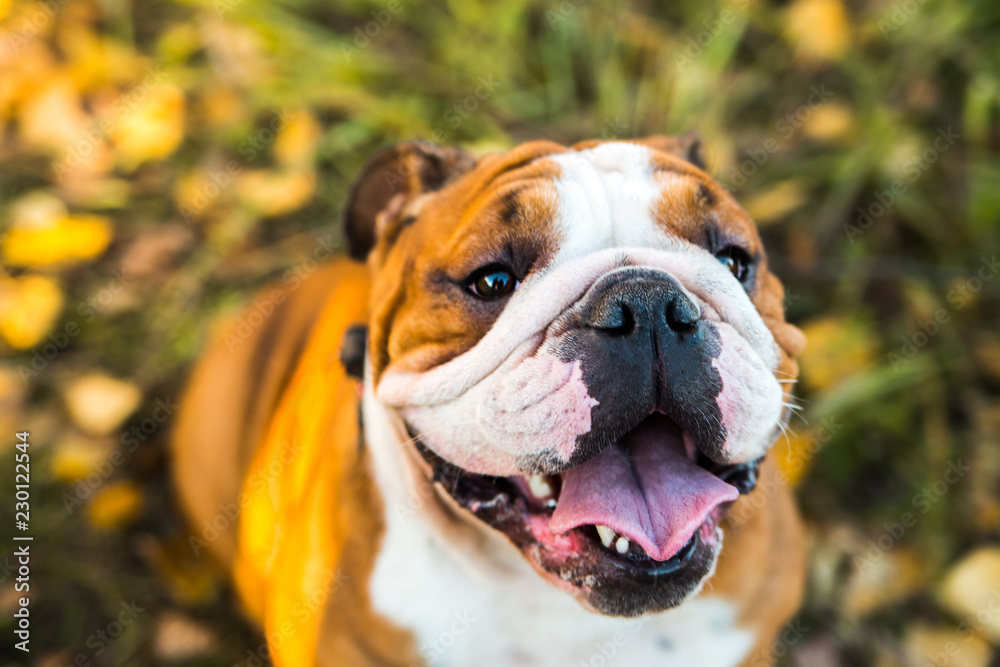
x,y
392,176
687,146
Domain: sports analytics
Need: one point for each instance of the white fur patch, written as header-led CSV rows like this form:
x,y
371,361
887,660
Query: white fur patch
x,y
606,196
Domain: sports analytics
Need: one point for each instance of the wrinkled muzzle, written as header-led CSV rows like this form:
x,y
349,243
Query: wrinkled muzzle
x,y
583,354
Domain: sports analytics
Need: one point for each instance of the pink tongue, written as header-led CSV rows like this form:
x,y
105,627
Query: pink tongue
x,y
643,487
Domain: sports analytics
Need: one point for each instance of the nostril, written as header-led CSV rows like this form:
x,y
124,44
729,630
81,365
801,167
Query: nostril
x,y
681,315
618,321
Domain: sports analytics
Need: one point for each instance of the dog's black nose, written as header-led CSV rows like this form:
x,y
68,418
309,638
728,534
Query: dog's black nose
x,y
653,306
642,347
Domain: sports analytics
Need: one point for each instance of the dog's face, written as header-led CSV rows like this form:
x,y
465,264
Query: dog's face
x,y
586,347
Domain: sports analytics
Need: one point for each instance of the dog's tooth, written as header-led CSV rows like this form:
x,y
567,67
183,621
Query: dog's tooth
x,y
607,535
550,503
622,545
540,487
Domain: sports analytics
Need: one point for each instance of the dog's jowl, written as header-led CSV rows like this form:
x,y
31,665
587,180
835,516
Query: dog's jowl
x,y
569,364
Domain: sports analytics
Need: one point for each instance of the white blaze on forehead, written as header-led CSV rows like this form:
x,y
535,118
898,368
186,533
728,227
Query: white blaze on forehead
x,y
606,199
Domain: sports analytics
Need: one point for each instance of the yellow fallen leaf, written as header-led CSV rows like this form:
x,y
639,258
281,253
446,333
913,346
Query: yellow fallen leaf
x,y
114,505
86,191
181,638
945,646
296,142
29,306
199,192
53,118
95,60
70,239
777,201
37,207
76,457
25,73
838,348
5,6
98,403
276,192
881,577
151,123
818,29
829,122
971,591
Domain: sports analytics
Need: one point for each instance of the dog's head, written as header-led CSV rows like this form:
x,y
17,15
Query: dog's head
x,y
586,347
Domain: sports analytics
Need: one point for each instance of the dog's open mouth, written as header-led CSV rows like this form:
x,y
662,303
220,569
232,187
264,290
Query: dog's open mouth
x,y
646,507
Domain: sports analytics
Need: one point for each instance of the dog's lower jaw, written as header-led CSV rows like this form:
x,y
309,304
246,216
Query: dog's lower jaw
x,y
442,573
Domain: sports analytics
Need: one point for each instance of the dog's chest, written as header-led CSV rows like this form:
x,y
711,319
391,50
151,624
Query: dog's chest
x,y
461,616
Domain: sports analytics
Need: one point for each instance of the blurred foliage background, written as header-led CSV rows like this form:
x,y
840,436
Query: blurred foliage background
x,y
160,160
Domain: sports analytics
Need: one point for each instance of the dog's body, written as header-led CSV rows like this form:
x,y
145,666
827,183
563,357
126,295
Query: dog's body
x,y
354,547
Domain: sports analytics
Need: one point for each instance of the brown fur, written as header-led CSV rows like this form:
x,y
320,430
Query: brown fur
x,y
422,240
230,399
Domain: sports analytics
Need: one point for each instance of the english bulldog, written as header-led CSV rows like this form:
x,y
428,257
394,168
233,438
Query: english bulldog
x,y
510,429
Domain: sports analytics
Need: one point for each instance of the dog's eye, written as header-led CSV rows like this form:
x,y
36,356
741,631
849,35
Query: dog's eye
x,y
736,260
492,282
